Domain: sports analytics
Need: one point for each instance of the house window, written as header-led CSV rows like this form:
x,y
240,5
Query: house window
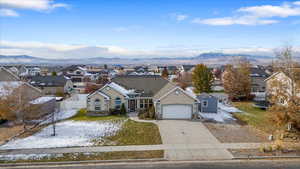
x,y
146,103
97,101
282,101
97,108
205,103
117,103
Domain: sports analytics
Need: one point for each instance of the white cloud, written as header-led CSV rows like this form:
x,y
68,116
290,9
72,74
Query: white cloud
x,y
296,3
8,12
245,20
179,17
31,4
272,11
255,15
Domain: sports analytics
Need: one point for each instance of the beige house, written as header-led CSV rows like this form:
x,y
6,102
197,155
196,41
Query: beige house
x,y
141,92
286,83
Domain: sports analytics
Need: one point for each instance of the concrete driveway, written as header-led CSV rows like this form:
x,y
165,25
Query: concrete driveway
x,y
185,138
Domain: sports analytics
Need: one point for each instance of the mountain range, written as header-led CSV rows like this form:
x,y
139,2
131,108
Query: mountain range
x,y
207,58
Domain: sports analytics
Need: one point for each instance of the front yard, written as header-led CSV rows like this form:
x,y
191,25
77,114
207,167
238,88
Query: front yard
x,y
136,133
82,130
254,117
235,131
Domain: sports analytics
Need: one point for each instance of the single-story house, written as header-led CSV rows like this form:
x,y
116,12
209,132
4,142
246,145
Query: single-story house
x,y
52,85
142,92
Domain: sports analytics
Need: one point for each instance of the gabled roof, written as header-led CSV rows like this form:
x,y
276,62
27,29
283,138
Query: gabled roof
x,y
99,92
177,88
146,85
188,68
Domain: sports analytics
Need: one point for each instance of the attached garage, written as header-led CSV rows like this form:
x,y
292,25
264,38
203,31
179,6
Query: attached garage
x,y
177,111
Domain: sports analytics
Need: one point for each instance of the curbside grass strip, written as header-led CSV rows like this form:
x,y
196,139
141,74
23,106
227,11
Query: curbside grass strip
x,y
81,162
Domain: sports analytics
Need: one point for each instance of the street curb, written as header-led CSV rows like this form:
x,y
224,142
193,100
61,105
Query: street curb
x,y
265,157
81,162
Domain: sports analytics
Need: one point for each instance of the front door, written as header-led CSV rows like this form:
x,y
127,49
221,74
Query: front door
x,y
132,105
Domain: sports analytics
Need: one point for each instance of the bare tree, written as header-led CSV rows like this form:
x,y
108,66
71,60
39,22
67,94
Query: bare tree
x,y
284,92
15,104
236,79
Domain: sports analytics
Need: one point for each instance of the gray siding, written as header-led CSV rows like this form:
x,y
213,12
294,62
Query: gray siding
x,y
211,104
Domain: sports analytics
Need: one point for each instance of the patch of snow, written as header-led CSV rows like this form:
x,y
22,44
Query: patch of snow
x,y
120,88
221,116
224,113
15,157
42,100
228,108
190,90
68,134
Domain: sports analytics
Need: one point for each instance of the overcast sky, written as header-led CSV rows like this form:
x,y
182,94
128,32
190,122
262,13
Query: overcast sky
x,y
146,28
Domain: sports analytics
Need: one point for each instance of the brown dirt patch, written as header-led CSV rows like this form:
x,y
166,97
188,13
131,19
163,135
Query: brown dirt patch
x,y
235,133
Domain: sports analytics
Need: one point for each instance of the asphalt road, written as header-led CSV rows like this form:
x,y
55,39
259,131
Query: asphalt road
x,y
286,164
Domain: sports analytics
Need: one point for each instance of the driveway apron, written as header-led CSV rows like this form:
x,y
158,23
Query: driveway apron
x,y
183,136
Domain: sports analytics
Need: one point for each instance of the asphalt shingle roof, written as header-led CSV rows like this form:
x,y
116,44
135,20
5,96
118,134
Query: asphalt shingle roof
x,y
147,85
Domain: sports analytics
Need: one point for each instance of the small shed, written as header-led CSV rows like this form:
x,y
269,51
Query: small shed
x,y
207,103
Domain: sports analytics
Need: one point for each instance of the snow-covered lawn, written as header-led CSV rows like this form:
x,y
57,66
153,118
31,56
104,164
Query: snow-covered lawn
x,y
224,113
68,134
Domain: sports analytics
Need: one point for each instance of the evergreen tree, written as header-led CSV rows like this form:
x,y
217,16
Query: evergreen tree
x,y
123,109
202,79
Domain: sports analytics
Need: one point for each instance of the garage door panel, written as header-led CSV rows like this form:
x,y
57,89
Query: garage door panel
x,y
177,112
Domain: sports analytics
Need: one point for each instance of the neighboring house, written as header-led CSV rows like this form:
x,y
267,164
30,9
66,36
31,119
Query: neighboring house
x,y
142,92
172,70
11,85
29,71
44,105
52,85
258,76
187,68
77,73
285,81
207,103
222,97
141,69
79,87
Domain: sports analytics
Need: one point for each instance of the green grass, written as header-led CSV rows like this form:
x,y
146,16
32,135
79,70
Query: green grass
x,y
81,116
255,117
136,133
96,156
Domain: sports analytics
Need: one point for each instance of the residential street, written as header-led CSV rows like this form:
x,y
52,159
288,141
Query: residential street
x,y
262,164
